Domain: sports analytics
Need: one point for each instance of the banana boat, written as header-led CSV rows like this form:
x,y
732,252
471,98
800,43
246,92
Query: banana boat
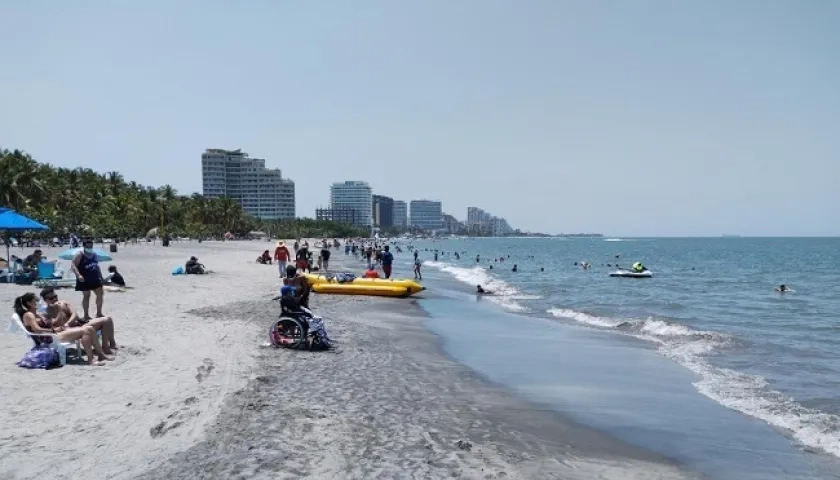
x,y
412,286
354,289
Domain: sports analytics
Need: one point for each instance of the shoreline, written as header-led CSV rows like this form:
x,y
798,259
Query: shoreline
x,y
194,394
390,403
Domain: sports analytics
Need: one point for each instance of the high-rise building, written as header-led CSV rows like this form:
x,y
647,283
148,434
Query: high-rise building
x,y
262,192
452,225
347,216
480,222
400,212
383,211
356,196
426,215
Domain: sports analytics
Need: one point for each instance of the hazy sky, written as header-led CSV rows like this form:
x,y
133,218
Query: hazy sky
x,y
623,117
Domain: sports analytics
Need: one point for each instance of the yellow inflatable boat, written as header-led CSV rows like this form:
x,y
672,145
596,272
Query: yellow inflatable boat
x,y
412,286
354,289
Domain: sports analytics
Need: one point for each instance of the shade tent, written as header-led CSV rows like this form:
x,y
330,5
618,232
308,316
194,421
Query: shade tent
x,y
11,221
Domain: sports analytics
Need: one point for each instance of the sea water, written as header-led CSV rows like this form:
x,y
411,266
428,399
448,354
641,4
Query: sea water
x,y
710,311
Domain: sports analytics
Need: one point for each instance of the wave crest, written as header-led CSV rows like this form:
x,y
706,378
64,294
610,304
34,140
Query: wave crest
x,y
748,394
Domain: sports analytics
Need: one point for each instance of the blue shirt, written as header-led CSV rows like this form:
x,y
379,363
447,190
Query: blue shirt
x,y
387,258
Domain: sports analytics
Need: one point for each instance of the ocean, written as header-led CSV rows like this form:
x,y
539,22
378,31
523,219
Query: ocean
x,y
709,336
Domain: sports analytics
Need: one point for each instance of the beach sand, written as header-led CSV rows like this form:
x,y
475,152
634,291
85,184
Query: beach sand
x,y
195,393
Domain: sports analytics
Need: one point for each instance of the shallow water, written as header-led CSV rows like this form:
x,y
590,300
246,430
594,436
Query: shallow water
x,y
709,309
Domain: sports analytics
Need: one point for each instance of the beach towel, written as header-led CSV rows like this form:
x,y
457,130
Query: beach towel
x,y
41,356
320,340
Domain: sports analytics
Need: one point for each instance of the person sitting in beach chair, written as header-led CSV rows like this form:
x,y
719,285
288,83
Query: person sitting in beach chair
x,y
61,313
30,263
26,307
193,267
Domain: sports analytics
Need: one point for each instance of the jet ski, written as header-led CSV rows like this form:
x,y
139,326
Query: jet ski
x,y
631,273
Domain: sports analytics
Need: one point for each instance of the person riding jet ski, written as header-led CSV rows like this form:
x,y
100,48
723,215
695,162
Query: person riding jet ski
x,y
639,268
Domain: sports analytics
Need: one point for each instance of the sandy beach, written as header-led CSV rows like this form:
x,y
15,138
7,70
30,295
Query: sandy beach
x,y
195,393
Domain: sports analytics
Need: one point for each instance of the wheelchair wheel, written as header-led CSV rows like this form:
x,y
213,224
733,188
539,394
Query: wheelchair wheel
x,y
287,332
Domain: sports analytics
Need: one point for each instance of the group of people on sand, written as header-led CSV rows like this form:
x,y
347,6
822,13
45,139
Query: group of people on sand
x,y
59,318
303,260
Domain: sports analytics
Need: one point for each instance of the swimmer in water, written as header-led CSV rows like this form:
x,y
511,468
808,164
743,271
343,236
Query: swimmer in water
x,y
480,291
783,288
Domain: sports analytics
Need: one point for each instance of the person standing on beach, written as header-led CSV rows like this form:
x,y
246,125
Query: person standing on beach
x,y
88,278
417,264
282,255
302,258
387,260
325,256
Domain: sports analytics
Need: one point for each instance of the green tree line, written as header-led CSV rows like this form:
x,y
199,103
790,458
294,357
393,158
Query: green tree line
x,y
106,205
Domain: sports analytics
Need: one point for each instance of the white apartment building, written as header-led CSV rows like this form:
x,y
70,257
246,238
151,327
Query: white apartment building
x,y
400,211
262,192
353,195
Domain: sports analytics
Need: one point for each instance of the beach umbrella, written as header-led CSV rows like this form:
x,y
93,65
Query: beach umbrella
x,y
14,222
70,254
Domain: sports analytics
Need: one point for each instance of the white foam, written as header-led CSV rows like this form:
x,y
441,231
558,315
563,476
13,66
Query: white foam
x,y
747,394
613,239
504,294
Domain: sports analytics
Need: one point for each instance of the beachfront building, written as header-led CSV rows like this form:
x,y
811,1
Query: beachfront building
x,y
400,214
480,222
347,216
426,215
500,227
353,195
262,192
383,211
453,226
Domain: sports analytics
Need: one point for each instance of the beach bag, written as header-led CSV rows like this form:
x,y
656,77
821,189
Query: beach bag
x,y
178,271
320,340
41,356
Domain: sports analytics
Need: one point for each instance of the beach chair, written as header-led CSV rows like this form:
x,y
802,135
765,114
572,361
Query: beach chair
x,y
46,275
17,325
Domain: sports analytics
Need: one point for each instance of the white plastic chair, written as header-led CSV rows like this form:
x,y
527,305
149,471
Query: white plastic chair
x,y
17,325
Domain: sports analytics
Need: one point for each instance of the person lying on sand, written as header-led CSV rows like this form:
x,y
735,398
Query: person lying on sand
x,y
26,306
61,313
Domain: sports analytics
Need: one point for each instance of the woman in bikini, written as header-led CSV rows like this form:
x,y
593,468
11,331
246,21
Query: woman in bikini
x,y
62,313
26,306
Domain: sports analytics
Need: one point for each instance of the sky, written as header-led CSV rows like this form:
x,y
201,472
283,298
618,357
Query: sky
x,y
624,117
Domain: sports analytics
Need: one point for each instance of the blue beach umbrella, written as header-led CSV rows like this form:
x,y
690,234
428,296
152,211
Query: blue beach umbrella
x,y
15,222
70,254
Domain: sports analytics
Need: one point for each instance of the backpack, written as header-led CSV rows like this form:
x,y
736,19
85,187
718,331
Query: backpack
x,y
41,356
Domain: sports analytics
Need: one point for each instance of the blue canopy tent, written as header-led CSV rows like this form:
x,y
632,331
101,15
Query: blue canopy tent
x,y
12,221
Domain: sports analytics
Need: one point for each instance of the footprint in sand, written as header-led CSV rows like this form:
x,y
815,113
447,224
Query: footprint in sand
x,y
204,370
